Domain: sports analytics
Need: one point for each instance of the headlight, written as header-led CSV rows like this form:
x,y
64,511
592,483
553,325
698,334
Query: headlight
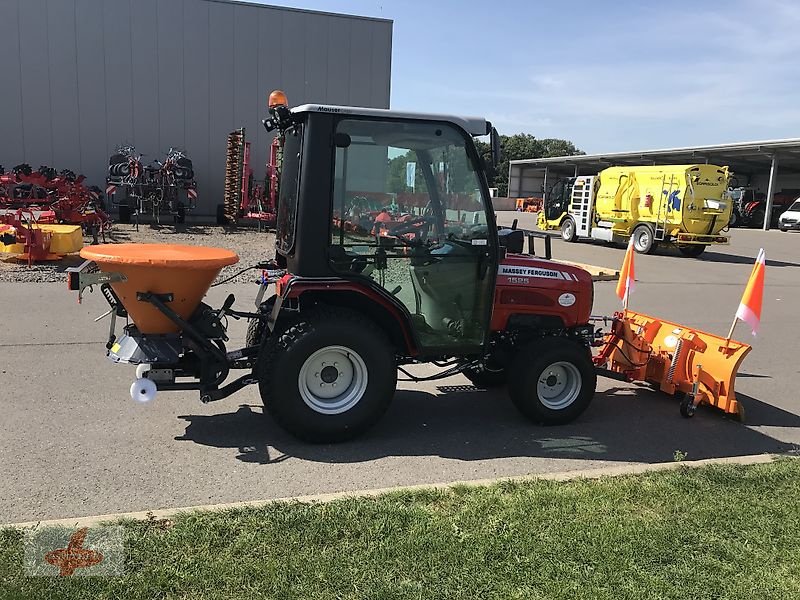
x,y
714,204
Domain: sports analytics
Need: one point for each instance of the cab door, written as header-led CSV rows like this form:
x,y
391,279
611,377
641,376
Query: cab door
x,y
410,215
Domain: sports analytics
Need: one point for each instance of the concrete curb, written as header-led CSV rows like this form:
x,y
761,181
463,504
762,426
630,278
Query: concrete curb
x,y
611,471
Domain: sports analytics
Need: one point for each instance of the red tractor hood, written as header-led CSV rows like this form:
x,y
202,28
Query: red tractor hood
x,y
535,290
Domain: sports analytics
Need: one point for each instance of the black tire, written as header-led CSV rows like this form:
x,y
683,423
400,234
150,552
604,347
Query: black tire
x,y
561,357
735,220
281,367
180,213
568,230
490,377
255,331
783,229
124,214
692,250
687,407
757,218
644,241
221,218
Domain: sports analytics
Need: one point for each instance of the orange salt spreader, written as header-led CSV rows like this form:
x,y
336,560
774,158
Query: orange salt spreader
x,y
182,272
159,288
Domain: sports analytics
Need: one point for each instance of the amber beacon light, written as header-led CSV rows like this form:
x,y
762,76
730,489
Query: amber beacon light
x,y
277,98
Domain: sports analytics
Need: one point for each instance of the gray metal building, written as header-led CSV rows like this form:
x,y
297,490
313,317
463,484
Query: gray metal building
x,y
83,76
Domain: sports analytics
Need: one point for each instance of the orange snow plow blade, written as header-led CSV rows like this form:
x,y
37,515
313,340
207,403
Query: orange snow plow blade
x,y
697,366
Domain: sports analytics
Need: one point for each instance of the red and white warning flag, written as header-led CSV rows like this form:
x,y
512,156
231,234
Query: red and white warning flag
x,y
749,309
627,277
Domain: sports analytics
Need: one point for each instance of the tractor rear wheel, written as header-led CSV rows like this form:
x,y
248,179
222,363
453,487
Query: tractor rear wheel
x,y
757,218
221,218
692,250
328,377
552,381
644,241
124,214
568,230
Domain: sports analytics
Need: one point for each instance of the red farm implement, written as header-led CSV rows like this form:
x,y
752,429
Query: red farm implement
x,y
159,188
245,197
48,191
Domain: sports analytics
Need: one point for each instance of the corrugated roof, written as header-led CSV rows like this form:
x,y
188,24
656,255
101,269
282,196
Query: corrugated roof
x,y
754,152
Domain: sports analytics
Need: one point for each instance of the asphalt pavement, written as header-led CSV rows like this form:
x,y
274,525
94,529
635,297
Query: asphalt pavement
x,y
72,443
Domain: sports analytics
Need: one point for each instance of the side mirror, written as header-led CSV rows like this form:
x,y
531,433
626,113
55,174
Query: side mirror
x,y
341,140
494,138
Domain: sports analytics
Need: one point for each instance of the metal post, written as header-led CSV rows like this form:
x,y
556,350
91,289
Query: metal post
x,y
576,170
773,175
544,187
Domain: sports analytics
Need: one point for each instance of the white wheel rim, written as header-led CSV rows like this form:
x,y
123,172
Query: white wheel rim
x,y
643,239
332,380
568,230
559,385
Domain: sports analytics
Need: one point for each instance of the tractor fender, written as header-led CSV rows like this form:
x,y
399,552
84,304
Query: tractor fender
x,y
375,303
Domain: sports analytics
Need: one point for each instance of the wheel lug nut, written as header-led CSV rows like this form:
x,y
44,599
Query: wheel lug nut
x,y
316,375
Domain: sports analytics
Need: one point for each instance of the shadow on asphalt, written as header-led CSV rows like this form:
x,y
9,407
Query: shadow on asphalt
x,y
622,424
736,259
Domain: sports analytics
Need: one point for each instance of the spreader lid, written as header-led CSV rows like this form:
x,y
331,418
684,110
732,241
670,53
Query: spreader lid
x,y
161,255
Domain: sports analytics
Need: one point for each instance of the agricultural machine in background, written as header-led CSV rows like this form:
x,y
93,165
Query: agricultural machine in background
x,y
683,205
61,193
45,213
245,197
166,187
750,206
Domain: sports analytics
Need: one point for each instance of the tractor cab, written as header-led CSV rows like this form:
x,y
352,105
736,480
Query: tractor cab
x,y
557,199
392,206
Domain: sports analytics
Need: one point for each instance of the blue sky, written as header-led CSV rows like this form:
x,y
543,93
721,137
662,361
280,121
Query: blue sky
x,y
609,76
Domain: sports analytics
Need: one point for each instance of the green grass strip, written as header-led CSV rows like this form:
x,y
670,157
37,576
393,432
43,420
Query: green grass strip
x,y
712,532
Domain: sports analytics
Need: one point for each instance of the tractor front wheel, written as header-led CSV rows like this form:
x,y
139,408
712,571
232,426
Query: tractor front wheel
x,y
328,377
552,381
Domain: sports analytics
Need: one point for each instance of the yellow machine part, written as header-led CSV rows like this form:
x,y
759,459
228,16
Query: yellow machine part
x,y
678,359
686,198
64,239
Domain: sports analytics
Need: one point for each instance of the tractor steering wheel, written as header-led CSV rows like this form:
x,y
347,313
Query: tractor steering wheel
x,y
415,225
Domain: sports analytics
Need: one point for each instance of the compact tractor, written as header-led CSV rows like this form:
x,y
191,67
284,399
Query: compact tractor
x,y
362,295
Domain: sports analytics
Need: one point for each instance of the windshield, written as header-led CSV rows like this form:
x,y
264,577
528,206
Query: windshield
x,y
416,182
795,207
288,193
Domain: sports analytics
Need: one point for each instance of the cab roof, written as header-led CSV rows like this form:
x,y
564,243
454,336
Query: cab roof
x,y
472,125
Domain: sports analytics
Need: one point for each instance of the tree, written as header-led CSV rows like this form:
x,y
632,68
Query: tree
x,y
520,146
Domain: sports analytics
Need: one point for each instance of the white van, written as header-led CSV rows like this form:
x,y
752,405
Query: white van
x,y
791,218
